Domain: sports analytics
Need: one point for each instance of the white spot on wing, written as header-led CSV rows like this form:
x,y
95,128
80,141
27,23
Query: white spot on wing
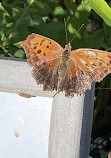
x,y
32,42
91,53
83,62
93,65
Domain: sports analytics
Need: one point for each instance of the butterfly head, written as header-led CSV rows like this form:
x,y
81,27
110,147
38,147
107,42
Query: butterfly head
x,y
68,46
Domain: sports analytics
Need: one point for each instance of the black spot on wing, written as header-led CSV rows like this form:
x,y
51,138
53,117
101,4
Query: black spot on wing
x,y
42,42
39,51
47,46
35,47
44,54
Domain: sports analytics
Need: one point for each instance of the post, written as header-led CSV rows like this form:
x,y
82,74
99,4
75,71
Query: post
x,y
70,127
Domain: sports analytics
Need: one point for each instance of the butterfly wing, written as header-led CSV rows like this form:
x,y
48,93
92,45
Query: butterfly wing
x,y
86,66
44,55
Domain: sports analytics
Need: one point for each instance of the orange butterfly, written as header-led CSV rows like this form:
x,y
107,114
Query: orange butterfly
x,y
63,69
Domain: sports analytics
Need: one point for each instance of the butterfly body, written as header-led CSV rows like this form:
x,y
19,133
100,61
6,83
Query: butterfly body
x,y
63,65
63,69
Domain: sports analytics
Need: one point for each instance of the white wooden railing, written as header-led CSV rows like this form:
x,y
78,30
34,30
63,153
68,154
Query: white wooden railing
x,y
71,119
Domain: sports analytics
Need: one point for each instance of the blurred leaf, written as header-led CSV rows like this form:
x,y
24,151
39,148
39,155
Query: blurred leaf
x,y
95,40
58,27
107,34
37,25
17,44
39,7
102,9
103,154
70,5
58,11
19,54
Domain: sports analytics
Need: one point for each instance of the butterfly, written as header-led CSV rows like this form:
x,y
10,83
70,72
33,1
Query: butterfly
x,y
63,69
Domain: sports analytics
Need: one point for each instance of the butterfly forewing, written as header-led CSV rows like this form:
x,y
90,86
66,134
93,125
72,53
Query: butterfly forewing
x,y
38,47
44,55
94,63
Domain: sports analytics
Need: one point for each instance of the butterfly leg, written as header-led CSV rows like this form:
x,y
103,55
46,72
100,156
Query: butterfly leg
x,y
56,93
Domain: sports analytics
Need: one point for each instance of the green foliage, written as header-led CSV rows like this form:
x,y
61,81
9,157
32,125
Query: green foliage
x,y
21,18
103,154
102,9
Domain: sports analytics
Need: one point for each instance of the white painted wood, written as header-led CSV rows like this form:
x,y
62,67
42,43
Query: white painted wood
x,y
15,77
70,128
71,119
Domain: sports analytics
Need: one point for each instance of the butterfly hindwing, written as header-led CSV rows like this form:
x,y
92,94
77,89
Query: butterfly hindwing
x,y
84,67
76,81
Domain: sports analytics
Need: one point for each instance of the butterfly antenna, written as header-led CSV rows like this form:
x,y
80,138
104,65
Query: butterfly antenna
x,y
77,31
66,30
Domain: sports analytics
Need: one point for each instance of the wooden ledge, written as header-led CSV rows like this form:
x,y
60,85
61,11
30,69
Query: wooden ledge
x,y
15,77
